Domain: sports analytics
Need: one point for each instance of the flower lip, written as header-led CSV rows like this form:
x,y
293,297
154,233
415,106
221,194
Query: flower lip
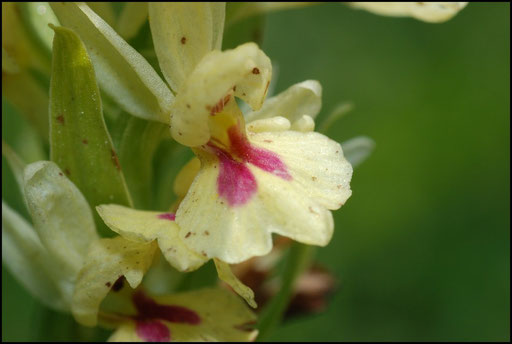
x,y
148,308
149,315
236,183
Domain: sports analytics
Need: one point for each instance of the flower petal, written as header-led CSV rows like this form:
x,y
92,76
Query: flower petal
x,y
121,71
60,214
132,17
36,17
269,124
229,277
107,260
291,211
28,260
186,176
16,40
183,33
146,226
223,318
315,162
126,333
304,98
434,12
210,226
245,69
304,124
236,231
358,149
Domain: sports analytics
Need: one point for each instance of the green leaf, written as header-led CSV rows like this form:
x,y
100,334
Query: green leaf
x,y
121,71
137,147
79,141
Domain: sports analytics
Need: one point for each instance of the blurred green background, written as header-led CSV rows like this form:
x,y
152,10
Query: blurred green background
x,y
421,250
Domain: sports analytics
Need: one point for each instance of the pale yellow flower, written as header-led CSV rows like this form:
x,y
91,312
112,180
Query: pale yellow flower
x,y
273,175
211,314
434,12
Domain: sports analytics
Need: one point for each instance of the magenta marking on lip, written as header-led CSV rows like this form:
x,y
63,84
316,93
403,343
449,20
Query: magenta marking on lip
x,y
262,158
167,216
148,309
235,182
149,312
152,331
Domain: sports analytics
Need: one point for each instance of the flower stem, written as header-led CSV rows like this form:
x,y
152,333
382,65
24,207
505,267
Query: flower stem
x,y
296,262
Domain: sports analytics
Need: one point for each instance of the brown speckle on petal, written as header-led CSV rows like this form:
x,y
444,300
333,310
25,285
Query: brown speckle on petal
x,y
183,40
255,70
118,284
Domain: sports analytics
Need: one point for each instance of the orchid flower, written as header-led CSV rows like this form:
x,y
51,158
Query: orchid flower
x,y
101,295
252,176
431,12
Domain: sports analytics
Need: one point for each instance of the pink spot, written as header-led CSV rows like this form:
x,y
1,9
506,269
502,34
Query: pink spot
x,y
153,331
235,183
148,309
167,216
262,158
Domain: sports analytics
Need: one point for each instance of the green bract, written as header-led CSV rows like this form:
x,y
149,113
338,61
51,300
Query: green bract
x,y
79,141
46,258
122,72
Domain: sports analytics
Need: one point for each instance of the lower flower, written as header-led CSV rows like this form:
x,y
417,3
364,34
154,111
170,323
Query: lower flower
x,y
210,314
